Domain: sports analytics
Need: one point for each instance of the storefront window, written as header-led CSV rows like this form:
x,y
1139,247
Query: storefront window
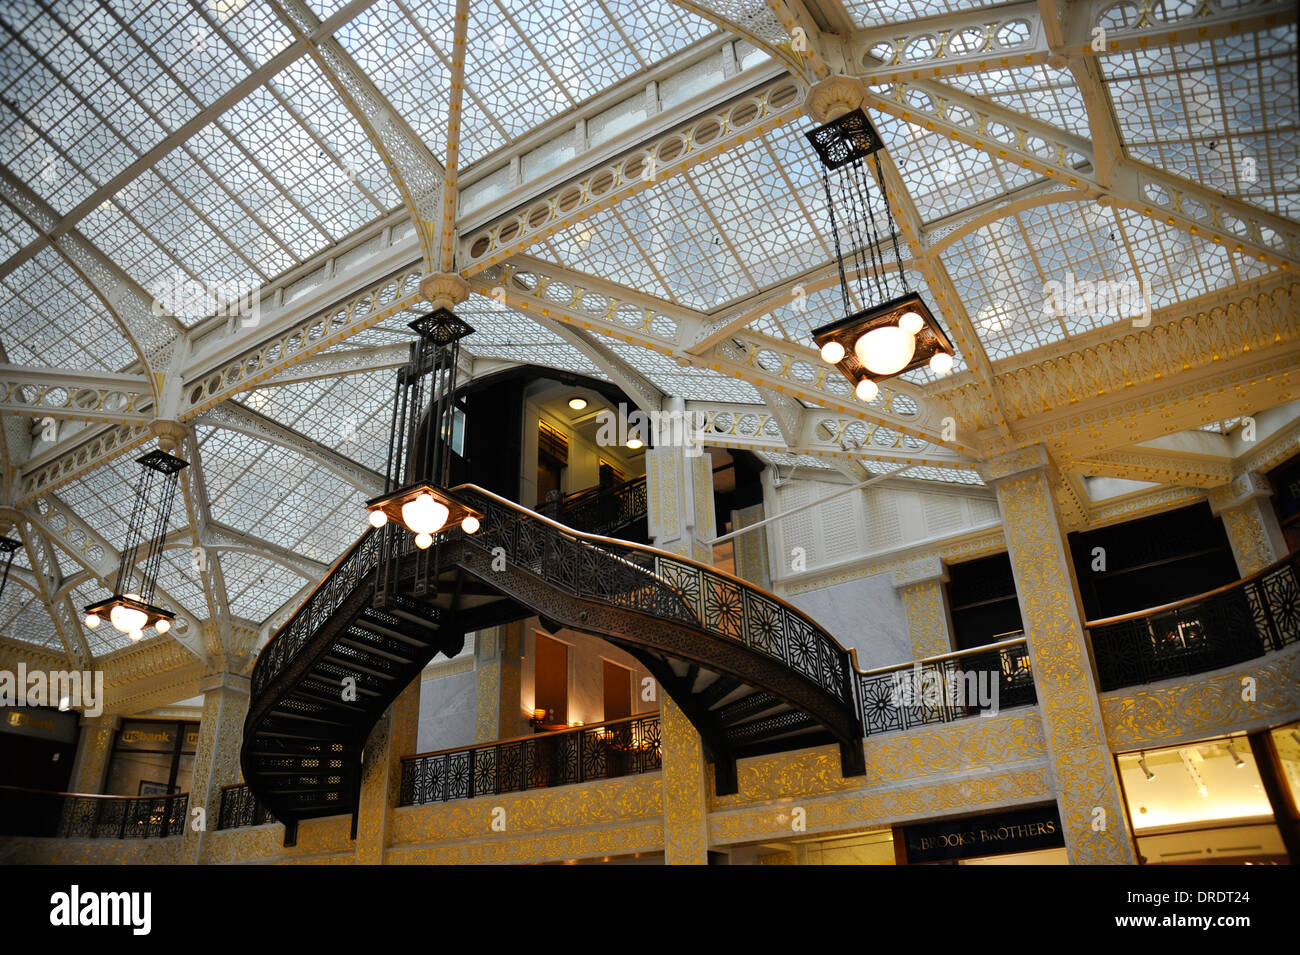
x,y
152,758
1201,803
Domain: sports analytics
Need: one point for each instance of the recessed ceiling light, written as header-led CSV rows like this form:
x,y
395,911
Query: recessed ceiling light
x,y
577,404
635,444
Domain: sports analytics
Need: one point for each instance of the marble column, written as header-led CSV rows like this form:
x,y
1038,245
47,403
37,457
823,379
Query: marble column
x,y
95,745
216,757
686,838
392,738
487,666
679,490
1252,525
920,584
1088,791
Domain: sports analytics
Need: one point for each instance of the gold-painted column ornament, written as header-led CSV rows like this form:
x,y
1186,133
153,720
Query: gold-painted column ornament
x,y
1252,525
487,666
686,835
381,775
444,290
920,584
93,748
216,757
834,96
1088,792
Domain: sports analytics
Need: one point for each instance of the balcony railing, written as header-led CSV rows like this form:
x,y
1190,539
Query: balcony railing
x,y
1241,621
33,812
943,689
239,808
601,751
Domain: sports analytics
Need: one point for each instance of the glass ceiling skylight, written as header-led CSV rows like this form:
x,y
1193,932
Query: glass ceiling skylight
x,y
48,317
1222,113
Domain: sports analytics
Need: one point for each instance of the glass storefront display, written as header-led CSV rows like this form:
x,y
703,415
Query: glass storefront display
x,y
152,758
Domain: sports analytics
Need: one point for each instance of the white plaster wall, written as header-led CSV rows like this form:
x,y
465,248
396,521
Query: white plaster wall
x,y
865,614
448,709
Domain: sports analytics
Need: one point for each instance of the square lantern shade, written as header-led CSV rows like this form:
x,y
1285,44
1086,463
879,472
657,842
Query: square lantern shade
x,y
152,615
391,505
929,340
845,139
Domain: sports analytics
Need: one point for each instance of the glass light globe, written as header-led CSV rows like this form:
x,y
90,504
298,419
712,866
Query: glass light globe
x,y
885,350
423,541
832,352
866,390
92,620
424,515
128,619
470,524
163,625
911,322
941,363
378,518
136,635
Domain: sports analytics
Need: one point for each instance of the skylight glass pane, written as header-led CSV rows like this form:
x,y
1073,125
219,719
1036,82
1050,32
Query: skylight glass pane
x,y
49,317
1221,113
23,617
257,587
1041,92
870,13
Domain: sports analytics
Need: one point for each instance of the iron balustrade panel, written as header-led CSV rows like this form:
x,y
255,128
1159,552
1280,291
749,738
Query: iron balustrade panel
x,y
658,584
605,510
946,689
622,748
241,808
1225,627
25,812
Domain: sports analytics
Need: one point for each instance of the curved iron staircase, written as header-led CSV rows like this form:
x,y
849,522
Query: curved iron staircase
x,y
752,673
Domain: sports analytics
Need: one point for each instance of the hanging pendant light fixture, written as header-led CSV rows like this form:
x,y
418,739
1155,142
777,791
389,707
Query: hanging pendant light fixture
x,y
415,497
896,331
132,611
8,547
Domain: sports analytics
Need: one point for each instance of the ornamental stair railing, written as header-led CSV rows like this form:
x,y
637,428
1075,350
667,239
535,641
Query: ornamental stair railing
x,y
751,672
1241,621
608,750
34,812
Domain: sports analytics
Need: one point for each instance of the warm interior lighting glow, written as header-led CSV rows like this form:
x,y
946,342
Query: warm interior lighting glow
x,y
136,635
424,515
378,518
911,322
470,524
92,620
577,404
885,350
163,625
128,619
635,444
832,353
423,540
941,363
866,390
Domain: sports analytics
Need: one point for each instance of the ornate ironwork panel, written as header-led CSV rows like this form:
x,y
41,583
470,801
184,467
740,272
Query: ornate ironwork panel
x,y
1219,629
240,807
619,748
28,812
946,688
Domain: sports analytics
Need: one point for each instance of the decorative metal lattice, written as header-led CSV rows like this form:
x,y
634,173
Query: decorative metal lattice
x,y
1226,626
29,812
8,547
945,689
240,808
605,751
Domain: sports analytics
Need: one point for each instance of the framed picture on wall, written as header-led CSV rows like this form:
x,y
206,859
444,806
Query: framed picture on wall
x,y
150,788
